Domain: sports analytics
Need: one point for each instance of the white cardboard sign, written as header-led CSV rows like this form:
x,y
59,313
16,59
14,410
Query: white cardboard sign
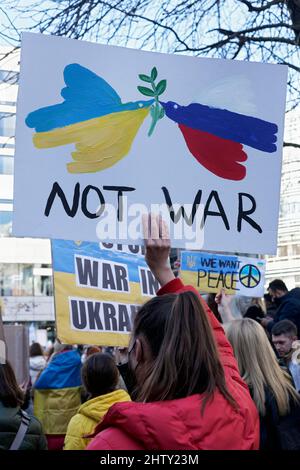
x,y
104,132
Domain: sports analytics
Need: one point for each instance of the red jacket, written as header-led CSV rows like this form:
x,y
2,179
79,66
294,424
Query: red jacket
x,y
178,424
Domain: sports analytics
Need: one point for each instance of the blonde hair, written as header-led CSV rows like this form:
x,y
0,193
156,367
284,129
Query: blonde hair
x,y
258,365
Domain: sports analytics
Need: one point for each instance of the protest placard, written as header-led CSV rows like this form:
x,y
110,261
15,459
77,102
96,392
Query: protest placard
x,y
98,291
106,133
210,272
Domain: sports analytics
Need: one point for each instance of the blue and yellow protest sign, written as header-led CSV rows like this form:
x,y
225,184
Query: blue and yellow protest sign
x,y
98,291
210,272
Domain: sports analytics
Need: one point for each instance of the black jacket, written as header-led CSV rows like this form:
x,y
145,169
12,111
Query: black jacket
x,y
279,432
289,309
255,313
10,420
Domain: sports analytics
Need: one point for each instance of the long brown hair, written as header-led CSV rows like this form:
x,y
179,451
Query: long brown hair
x,y
10,393
185,355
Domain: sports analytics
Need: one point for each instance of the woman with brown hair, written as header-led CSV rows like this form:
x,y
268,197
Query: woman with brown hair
x,y
189,394
18,431
100,377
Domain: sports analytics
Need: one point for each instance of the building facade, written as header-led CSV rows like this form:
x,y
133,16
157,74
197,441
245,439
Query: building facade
x,y
26,289
286,264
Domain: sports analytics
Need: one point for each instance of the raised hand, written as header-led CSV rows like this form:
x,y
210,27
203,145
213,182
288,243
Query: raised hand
x,y
157,244
223,301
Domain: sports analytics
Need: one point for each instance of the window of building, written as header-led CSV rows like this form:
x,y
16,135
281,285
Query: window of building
x,y
7,103
18,279
6,165
6,201
282,251
9,278
5,223
43,279
9,76
295,250
7,124
290,209
43,285
26,279
7,146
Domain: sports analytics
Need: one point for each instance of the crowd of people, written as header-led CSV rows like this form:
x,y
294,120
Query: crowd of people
x,y
196,375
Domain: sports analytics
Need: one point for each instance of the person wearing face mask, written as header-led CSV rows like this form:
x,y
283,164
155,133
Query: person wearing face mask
x,y
288,303
188,393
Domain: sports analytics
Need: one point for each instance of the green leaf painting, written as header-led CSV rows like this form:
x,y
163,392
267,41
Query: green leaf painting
x,y
156,110
160,88
154,74
146,91
145,78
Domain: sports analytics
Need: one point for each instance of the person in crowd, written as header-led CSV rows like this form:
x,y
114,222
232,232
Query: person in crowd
x,y
288,305
239,305
284,335
13,420
57,394
271,308
212,305
121,355
37,361
108,350
189,393
49,353
243,307
100,378
272,391
89,350
256,309
175,260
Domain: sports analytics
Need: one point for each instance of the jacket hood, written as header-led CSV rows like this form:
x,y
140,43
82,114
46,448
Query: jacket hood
x,y
98,406
179,425
37,362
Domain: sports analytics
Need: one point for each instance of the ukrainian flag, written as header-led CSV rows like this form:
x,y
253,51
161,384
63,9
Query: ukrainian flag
x,y
57,394
93,117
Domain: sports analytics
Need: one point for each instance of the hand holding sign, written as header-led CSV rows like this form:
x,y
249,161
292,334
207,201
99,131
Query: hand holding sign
x,y
223,301
157,243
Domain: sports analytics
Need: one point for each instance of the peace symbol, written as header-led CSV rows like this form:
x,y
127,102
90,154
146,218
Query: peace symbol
x,y
250,276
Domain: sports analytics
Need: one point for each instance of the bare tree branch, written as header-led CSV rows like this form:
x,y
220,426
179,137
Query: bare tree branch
x,y
262,7
258,30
